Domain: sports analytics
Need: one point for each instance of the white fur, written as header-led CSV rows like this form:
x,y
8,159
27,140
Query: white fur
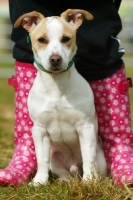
x,y
62,108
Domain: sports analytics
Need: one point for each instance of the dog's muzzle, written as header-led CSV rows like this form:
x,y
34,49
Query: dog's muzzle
x,y
55,61
70,64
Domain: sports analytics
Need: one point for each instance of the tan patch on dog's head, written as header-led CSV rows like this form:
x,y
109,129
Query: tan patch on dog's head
x,y
35,23
53,35
68,32
39,36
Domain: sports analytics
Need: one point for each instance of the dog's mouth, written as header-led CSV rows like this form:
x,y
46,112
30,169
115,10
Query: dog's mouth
x,y
56,68
60,67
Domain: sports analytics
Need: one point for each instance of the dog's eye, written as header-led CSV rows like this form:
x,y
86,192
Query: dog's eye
x,y
65,39
42,40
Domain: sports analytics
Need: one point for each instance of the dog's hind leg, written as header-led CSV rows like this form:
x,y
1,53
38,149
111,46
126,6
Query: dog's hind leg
x,y
101,162
59,167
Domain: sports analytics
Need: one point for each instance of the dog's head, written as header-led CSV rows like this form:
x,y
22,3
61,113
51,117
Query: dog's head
x,y
53,38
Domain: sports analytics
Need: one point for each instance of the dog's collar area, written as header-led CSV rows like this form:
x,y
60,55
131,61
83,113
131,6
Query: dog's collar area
x,y
43,69
28,39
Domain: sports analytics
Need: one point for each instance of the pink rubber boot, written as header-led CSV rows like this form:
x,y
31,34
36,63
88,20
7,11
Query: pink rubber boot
x,y
23,164
112,105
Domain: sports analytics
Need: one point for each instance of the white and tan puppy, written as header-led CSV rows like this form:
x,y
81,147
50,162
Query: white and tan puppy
x,y
61,102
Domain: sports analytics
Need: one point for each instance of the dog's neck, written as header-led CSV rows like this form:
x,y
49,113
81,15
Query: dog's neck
x,y
57,84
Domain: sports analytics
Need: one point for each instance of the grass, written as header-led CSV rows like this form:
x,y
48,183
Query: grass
x,y
6,65
6,122
74,190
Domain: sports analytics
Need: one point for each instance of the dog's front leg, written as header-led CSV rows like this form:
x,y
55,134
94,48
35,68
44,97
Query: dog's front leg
x,y
42,149
88,145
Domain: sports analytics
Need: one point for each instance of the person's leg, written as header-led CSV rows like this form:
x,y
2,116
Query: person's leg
x,y
23,163
113,108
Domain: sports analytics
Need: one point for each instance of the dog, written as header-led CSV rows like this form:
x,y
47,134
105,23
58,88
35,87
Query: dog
x,y
61,102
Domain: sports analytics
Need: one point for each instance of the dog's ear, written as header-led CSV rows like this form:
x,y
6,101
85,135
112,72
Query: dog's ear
x,y
29,20
76,16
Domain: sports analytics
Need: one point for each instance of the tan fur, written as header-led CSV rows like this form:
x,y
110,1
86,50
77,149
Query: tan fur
x,y
23,20
38,33
81,15
69,32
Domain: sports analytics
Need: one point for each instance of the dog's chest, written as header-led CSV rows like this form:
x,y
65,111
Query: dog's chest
x,y
60,120
60,104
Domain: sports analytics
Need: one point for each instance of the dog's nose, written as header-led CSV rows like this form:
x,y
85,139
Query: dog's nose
x,y
55,60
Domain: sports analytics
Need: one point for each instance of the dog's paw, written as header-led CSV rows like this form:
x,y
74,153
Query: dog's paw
x,y
37,181
61,181
90,176
32,183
